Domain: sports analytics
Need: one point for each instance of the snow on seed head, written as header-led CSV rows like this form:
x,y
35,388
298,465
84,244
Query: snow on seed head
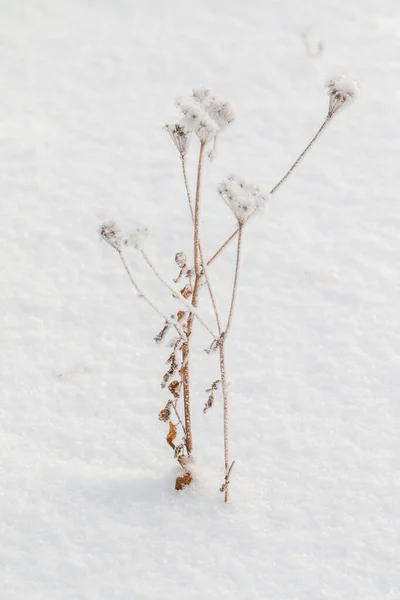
x,y
111,233
205,115
218,110
341,91
242,197
180,136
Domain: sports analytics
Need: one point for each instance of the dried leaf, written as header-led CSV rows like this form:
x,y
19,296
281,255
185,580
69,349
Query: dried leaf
x,y
181,314
180,259
174,388
164,415
160,336
183,481
186,291
171,435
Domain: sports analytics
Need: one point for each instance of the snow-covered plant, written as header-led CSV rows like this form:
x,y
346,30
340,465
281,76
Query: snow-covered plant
x,y
203,116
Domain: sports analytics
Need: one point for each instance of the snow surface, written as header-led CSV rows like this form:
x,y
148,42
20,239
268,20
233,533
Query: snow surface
x,y
88,509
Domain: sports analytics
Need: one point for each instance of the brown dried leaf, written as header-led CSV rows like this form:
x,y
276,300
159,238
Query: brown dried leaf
x,y
171,435
180,259
174,388
183,481
186,291
180,314
164,415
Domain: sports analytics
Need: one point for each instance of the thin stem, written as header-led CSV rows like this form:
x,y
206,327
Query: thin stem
x,y
222,360
177,294
235,281
277,186
176,325
225,399
306,149
178,417
197,212
185,179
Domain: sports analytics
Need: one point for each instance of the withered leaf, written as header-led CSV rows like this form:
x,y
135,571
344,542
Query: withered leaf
x,y
174,388
180,259
183,481
164,415
171,435
186,291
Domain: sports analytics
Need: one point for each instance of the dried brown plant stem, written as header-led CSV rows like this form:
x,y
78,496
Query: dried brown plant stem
x,y
225,400
222,357
236,279
185,179
202,262
277,186
185,370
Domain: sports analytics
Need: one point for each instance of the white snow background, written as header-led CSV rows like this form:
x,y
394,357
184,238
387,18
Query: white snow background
x,y
87,502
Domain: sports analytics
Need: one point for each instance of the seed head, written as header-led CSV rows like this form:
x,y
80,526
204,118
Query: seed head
x,y
341,91
241,197
180,136
111,233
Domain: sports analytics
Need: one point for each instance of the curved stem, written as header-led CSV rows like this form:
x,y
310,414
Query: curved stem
x,y
235,281
277,186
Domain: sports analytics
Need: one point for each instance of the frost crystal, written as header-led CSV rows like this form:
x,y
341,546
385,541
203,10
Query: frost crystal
x,y
242,198
341,91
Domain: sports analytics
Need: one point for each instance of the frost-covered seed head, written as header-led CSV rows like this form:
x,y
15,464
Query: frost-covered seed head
x,y
111,233
219,111
241,197
180,136
205,115
341,91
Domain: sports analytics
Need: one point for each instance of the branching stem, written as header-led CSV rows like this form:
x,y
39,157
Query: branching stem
x,y
168,320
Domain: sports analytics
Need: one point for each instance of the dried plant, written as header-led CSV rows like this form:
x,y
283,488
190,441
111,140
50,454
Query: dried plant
x,y
204,116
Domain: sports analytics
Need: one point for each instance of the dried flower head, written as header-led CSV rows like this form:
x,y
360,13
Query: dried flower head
x,y
164,415
112,234
180,136
220,111
241,197
341,91
205,115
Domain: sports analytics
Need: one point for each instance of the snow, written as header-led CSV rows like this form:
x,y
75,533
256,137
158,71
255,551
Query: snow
x,y
88,506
